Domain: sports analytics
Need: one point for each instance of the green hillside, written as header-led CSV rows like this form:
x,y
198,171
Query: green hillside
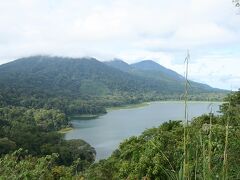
x,y
154,71
86,85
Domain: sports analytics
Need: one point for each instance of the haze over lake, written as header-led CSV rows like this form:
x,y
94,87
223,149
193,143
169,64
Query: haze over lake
x,y
107,131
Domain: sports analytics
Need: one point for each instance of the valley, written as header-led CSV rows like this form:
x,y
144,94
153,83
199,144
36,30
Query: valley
x,y
81,114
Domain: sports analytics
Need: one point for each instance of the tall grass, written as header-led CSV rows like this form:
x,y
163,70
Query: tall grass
x,y
196,163
198,157
204,156
185,133
202,151
209,170
225,154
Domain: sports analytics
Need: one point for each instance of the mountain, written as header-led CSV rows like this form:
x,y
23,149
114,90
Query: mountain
x,y
147,69
73,77
86,85
149,66
154,71
119,64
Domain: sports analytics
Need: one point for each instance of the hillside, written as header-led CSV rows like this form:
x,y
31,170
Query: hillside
x,y
154,71
80,84
119,64
74,77
147,68
157,71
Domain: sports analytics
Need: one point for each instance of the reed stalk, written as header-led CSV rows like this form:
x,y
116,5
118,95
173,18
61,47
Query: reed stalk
x,y
196,164
185,138
204,157
225,154
210,143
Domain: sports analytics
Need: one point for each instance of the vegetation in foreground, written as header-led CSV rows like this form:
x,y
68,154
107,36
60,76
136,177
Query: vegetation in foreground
x,y
213,149
31,147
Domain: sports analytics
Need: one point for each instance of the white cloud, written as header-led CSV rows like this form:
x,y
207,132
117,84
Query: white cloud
x,y
222,72
162,58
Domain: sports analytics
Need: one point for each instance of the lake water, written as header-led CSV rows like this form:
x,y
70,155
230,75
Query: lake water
x,y
107,131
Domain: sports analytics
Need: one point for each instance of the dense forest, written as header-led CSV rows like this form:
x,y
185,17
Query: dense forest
x,y
88,86
33,133
119,90
212,149
38,94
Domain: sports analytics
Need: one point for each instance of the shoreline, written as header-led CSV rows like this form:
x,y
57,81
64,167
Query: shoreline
x,y
147,103
65,130
133,106
84,116
140,105
129,106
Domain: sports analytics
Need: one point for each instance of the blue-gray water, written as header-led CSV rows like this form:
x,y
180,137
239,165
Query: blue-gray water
x,y
106,132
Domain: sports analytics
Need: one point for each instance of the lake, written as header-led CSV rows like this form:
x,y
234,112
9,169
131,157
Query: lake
x,y
105,132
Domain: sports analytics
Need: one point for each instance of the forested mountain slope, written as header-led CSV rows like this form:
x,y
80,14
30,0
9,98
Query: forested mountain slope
x,y
154,71
86,85
73,77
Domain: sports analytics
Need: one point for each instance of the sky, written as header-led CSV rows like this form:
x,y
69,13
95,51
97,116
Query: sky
x,y
131,30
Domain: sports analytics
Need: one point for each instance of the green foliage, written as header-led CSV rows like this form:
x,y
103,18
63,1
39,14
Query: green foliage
x,y
173,81
150,155
17,166
232,108
71,150
6,145
37,93
158,152
47,119
86,86
36,131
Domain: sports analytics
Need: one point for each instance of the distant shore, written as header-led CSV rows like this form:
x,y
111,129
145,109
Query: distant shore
x,y
131,106
65,130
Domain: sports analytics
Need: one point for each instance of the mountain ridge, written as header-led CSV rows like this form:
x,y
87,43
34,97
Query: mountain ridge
x,y
153,70
144,66
51,81
72,85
